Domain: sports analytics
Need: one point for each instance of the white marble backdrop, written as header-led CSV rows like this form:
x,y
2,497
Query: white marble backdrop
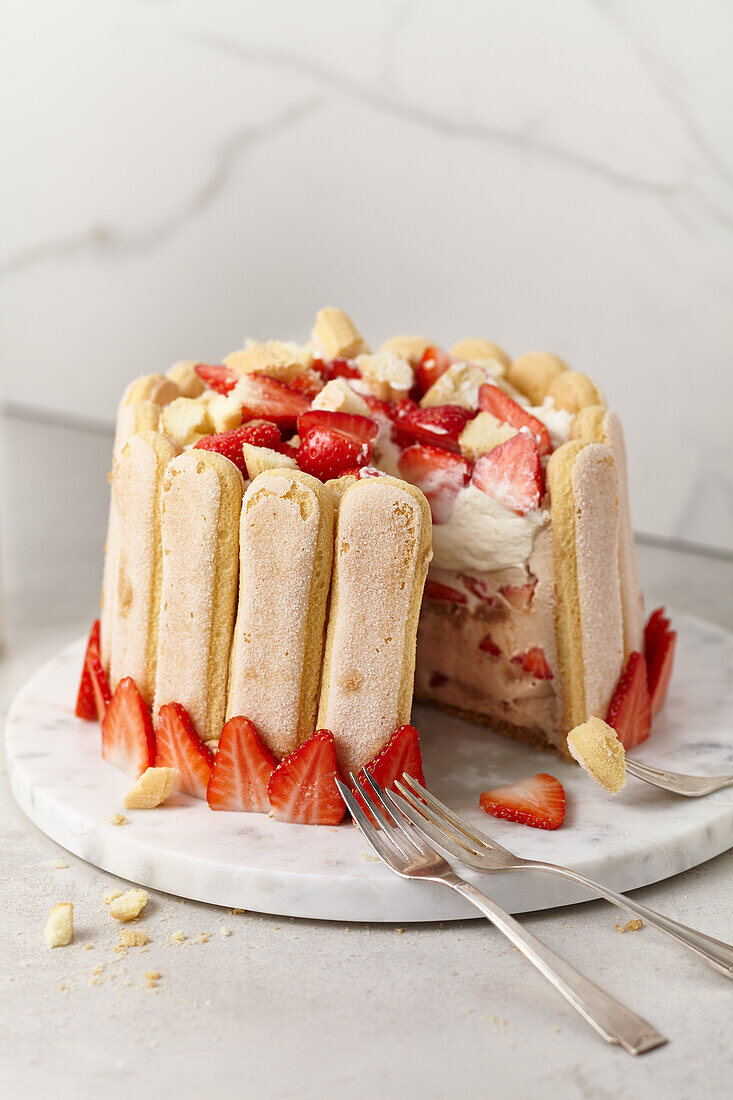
x,y
179,174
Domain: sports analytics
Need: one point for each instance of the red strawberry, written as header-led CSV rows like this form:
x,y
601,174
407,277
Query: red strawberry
x,y
302,788
493,400
439,426
128,740
260,433
264,397
308,384
336,368
362,471
433,363
286,449
440,474
382,411
534,662
434,590
480,589
538,800
217,377
518,596
85,704
656,627
242,769
511,474
630,711
100,686
401,754
179,746
659,670
332,442
488,645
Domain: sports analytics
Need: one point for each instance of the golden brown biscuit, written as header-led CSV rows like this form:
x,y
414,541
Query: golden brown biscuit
x,y
572,391
480,349
533,373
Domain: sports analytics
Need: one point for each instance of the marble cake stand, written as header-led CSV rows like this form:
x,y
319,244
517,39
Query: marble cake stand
x,y
250,862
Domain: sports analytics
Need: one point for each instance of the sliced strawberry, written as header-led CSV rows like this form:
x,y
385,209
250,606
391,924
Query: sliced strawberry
x,y
286,449
336,368
263,397
260,433
480,589
534,662
437,679
439,426
433,363
179,746
85,704
518,596
660,670
440,474
488,645
242,769
538,801
332,442
217,377
128,740
493,400
656,627
302,788
362,471
511,474
400,755
630,711
382,411
100,685
434,590
308,384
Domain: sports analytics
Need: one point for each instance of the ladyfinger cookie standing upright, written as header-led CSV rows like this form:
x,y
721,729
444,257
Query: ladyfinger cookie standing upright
x,y
382,551
584,502
603,426
285,552
201,501
137,478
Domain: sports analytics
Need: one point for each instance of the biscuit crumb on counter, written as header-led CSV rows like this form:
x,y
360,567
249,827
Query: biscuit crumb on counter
x,y
153,787
59,929
133,937
224,931
152,978
129,905
110,896
60,865
117,819
631,926
178,937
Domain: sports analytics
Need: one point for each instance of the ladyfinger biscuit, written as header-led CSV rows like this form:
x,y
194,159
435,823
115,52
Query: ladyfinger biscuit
x,y
409,347
183,373
140,416
583,484
336,335
383,547
137,478
285,552
572,391
480,349
603,426
533,373
151,387
200,504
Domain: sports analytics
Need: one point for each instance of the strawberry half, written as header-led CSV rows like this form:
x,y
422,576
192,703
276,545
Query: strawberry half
x,y
179,746
401,754
432,365
534,662
336,368
260,433
630,711
242,769
217,377
302,788
438,592
656,627
511,474
659,670
85,705
263,397
440,426
332,442
537,801
493,400
100,685
128,740
440,474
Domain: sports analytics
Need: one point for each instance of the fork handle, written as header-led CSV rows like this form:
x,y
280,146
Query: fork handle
x,y
714,952
611,1019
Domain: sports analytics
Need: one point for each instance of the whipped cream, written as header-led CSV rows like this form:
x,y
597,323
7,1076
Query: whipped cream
x,y
557,421
483,535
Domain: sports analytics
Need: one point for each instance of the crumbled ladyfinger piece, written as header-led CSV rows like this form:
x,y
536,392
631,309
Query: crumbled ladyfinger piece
x,y
184,420
151,789
60,864
183,373
59,930
338,396
117,819
388,376
133,937
409,347
459,385
110,896
573,391
225,412
336,335
257,459
278,360
482,434
533,373
129,905
151,387
600,753
470,350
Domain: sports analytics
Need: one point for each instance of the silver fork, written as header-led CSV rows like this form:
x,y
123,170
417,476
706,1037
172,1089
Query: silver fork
x,y
691,786
477,850
401,847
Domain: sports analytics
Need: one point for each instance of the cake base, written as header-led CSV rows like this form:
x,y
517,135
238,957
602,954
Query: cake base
x,y
249,861
532,737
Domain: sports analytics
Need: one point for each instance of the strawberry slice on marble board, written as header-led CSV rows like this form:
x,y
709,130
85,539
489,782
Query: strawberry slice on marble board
x,y
537,801
242,768
302,788
178,745
128,740
630,711
100,685
86,706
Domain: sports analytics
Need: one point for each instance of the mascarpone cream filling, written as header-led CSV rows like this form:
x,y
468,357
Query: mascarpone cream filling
x,y
483,535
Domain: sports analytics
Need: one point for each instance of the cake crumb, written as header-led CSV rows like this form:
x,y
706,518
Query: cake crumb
x,y
128,906
153,787
204,937
178,937
631,926
151,978
111,895
367,858
59,929
133,937
60,865
224,931
400,930
117,819
236,911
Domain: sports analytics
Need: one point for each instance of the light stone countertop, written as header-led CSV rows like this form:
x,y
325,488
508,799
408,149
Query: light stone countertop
x,y
280,1007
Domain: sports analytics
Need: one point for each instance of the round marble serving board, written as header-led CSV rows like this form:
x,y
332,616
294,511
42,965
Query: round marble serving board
x,y
251,862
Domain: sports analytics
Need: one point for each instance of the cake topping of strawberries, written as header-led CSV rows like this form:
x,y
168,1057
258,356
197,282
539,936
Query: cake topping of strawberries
x,y
534,662
630,711
179,746
332,442
440,474
260,433
434,590
128,741
511,474
217,377
302,788
659,647
242,769
432,365
86,706
261,396
538,801
439,426
401,755
493,400
336,368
